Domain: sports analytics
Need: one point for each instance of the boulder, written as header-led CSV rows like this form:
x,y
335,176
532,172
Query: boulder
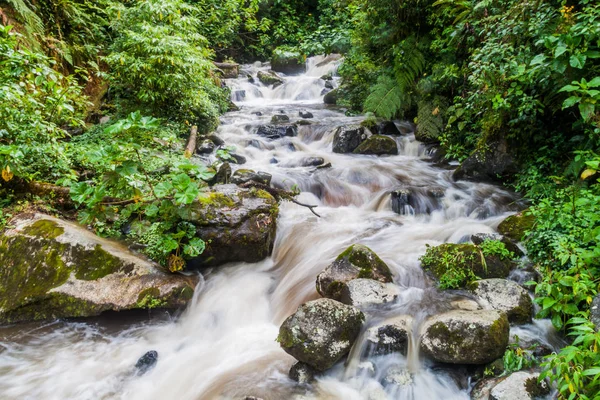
x,y
410,200
223,175
493,164
216,139
270,78
391,336
347,138
515,226
321,332
302,373
280,119
595,312
242,176
378,145
277,131
52,268
357,261
146,362
521,385
305,114
504,295
466,260
465,337
205,147
288,62
510,245
238,225
329,84
237,158
228,70
364,292
387,128
331,97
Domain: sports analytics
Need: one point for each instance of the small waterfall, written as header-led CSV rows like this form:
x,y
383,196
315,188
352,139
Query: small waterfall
x,y
223,346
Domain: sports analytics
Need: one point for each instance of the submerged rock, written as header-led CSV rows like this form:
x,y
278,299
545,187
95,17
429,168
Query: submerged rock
x,y
347,138
52,268
247,175
515,226
377,145
236,224
320,332
391,336
280,119
270,78
302,373
357,261
146,362
305,114
416,200
507,296
277,131
364,292
465,337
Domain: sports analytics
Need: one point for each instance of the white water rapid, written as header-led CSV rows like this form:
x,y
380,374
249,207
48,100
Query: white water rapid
x,y
223,345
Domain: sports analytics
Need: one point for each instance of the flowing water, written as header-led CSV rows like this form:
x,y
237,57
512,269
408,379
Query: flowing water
x,y
223,346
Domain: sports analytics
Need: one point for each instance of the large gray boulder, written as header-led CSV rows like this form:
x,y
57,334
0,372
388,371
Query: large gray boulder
x,y
504,295
357,261
347,138
364,292
521,385
320,332
50,268
465,337
390,336
236,224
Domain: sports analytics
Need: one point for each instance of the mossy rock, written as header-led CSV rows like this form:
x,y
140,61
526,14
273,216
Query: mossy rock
x,y
465,337
52,269
331,97
357,261
466,260
515,226
506,296
378,145
321,332
288,61
270,78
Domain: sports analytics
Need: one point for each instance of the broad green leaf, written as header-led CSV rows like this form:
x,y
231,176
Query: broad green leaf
x,y
181,182
188,196
577,61
571,101
587,110
559,51
194,248
163,189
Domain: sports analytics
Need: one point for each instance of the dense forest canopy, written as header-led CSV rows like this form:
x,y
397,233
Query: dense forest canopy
x,y
494,79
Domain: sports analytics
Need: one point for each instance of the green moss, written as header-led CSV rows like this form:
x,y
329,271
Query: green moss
x,y
515,226
44,229
95,264
55,305
150,298
377,144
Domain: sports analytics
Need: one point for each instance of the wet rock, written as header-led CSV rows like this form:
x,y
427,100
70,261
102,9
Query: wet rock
x,y
364,292
534,346
228,70
391,336
468,259
510,245
146,362
312,161
357,261
523,275
302,373
367,368
258,113
416,200
515,226
280,119
223,175
273,161
329,84
398,376
325,91
54,269
277,131
270,78
506,296
251,79
465,337
303,122
253,398
595,312
481,391
242,176
347,138
237,158
520,385
238,95
320,332
205,147
331,97
288,62
387,128
238,225
305,114
377,145
492,164
216,139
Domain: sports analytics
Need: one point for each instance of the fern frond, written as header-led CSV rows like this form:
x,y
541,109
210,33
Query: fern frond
x,y
26,11
385,99
409,64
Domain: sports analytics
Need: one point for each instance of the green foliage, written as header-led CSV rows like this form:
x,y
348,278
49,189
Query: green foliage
x,y
160,60
455,265
385,99
491,247
516,358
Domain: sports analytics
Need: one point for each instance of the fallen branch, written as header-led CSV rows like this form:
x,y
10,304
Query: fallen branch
x,y
190,147
279,194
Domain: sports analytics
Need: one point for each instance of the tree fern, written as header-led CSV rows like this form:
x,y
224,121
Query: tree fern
x,y
385,99
409,63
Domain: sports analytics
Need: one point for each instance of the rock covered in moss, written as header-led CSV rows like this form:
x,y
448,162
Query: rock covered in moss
x,y
521,385
492,164
464,260
377,145
510,245
242,176
391,336
365,292
465,337
357,261
50,268
321,332
331,97
236,224
507,296
280,119
515,226
289,62
348,137
270,78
